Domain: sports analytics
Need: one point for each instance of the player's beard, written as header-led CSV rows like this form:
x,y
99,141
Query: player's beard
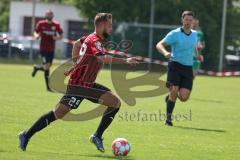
x,y
105,35
49,19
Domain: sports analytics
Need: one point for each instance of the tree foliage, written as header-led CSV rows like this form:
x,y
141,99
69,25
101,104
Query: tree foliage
x,y
209,12
4,15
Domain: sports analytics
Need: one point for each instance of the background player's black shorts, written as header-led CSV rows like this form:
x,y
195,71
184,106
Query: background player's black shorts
x,y
47,57
180,75
76,94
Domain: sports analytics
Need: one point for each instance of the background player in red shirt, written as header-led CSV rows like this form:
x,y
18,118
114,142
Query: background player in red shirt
x,y
48,31
88,57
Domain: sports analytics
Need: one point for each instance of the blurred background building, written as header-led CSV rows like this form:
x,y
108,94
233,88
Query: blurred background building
x,y
140,21
20,19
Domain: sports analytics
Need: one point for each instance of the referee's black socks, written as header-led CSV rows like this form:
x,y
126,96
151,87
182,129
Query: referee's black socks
x,y
170,107
41,123
107,119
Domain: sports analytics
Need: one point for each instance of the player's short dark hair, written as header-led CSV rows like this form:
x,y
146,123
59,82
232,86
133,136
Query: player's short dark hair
x,y
187,13
101,17
49,11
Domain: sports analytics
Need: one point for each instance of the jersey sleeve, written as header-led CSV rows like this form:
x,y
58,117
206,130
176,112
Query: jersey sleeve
x,y
97,48
82,39
170,38
38,27
202,38
59,29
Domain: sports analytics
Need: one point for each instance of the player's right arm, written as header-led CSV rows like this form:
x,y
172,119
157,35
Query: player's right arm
x,y
75,54
169,39
37,31
76,49
161,47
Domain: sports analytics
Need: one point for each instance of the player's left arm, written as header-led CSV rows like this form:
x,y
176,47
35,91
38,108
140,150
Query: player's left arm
x,y
202,40
58,37
198,56
107,59
198,49
59,30
98,50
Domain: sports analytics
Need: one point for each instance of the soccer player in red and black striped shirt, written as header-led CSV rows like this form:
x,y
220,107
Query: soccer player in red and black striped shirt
x,y
88,57
48,31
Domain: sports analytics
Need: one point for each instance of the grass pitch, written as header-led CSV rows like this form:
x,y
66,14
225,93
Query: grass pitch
x,y
207,129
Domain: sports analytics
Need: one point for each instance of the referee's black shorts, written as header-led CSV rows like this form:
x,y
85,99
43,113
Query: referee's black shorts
x,y
180,75
76,94
47,57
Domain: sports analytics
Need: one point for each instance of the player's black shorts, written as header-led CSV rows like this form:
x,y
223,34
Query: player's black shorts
x,y
47,57
76,94
180,75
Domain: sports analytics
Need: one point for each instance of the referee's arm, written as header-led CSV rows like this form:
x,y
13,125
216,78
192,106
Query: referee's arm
x,y
161,47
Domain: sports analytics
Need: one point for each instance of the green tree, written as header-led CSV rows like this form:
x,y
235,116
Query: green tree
x,y
209,12
4,15
57,1
126,10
